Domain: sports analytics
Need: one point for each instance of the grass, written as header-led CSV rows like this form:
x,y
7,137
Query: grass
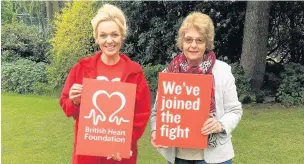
x,y
35,130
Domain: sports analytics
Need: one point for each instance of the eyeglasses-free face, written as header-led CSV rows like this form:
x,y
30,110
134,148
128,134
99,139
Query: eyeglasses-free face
x,y
109,38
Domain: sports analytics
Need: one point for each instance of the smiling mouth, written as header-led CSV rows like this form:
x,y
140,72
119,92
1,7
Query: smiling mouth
x,y
110,48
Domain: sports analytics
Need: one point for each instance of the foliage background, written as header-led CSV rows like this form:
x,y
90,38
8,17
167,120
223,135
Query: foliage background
x,y
59,33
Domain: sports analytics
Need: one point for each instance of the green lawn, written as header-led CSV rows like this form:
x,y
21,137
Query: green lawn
x,y
35,130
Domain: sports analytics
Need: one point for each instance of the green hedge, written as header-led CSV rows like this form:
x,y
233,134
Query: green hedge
x,y
242,82
291,89
22,76
21,41
151,73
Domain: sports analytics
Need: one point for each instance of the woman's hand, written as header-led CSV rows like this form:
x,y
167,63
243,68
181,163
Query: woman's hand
x,y
117,156
153,136
211,126
75,93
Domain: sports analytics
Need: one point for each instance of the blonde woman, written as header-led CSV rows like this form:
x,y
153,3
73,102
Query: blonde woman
x,y
109,31
195,39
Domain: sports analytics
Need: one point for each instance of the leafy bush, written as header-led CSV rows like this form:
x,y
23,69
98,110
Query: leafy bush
x,y
291,89
151,73
152,38
272,80
22,76
22,41
72,40
242,82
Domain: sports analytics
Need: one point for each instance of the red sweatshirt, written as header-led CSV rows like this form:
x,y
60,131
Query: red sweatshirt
x,y
133,73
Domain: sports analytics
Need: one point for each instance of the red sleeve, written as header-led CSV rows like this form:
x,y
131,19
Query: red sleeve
x,y
67,105
142,108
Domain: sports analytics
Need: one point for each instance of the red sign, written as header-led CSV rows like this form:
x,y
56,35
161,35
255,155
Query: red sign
x,y
106,118
182,108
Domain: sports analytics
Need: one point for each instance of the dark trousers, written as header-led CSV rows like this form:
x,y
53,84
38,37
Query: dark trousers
x,y
182,161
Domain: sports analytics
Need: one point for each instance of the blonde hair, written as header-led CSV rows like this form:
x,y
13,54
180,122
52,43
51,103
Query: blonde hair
x,y
200,22
110,13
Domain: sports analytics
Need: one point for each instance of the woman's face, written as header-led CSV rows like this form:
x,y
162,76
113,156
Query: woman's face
x,y
194,45
109,38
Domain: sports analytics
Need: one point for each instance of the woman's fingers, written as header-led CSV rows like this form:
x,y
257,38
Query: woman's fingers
x,y
74,92
73,97
208,121
116,157
210,130
153,136
209,126
77,85
76,88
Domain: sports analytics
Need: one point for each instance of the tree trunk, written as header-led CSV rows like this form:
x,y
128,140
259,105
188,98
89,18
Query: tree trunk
x,y
55,7
49,10
254,49
293,44
52,7
42,19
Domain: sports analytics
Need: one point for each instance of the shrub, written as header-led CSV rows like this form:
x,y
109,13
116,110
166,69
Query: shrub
x,y
152,38
242,82
291,89
22,41
22,76
151,73
272,77
72,40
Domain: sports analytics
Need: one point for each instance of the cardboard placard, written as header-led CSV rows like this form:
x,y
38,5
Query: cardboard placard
x,y
106,118
182,108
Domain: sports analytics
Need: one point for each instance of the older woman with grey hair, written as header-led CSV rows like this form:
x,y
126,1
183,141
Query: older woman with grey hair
x,y
195,39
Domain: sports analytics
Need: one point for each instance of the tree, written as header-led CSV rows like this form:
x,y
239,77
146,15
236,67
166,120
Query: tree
x,y
286,32
8,14
254,50
51,8
152,38
72,40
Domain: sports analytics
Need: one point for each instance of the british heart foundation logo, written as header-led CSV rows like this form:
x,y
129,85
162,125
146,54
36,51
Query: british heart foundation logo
x,y
97,114
106,118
